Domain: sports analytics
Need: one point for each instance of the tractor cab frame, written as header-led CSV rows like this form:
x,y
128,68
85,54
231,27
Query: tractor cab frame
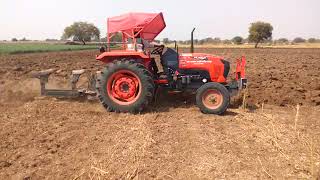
x,y
133,27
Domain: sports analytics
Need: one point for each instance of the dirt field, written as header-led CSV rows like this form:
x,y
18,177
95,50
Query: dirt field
x,y
46,138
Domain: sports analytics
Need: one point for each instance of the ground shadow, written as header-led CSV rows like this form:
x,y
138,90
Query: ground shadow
x,y
164,101
236,102
230,113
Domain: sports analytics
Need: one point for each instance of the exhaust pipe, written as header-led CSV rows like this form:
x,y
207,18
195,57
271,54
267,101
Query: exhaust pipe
x,y
192,48
175,45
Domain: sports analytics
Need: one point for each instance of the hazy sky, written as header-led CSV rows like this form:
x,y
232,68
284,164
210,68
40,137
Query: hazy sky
x,y
41,19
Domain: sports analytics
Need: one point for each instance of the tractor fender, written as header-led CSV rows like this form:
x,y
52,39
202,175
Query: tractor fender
x,y
110,56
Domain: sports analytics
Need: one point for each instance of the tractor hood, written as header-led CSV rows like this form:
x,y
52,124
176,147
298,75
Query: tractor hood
x,y
200,56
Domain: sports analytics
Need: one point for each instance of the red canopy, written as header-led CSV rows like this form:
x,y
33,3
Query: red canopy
x,y
148,24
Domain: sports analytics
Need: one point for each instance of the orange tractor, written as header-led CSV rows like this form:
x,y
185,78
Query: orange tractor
x,y
131,77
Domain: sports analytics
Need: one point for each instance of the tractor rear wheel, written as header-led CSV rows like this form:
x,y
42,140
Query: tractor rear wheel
x,y
125,86
213,98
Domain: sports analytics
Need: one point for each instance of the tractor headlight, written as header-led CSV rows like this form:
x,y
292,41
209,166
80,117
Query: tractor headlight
x,y
204,80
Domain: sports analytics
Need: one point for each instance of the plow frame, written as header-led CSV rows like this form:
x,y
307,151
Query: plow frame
x,y
43,76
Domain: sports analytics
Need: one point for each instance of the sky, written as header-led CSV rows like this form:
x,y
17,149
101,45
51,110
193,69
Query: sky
x,y
42,19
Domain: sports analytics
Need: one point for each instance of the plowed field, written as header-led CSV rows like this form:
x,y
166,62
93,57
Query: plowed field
x,y
47,138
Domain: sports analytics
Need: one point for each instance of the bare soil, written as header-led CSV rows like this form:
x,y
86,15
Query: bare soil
x,y
47,138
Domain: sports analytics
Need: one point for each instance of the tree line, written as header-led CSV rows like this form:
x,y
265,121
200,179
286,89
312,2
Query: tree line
x,y
259,32
238,40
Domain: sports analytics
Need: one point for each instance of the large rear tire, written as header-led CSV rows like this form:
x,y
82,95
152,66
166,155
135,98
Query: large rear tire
x,y
213,98
125,86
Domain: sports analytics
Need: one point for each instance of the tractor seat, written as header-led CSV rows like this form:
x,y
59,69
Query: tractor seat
x,y
170,59
78,72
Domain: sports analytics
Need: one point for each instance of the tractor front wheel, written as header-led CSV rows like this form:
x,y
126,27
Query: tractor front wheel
x,y
213,98
125,86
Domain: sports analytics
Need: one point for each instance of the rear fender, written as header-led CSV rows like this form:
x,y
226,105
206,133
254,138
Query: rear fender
x,y
108,57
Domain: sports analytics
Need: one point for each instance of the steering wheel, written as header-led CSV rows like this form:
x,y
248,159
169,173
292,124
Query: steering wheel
x,y
158,50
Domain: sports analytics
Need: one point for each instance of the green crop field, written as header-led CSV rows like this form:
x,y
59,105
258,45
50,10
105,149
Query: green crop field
x,y
18,48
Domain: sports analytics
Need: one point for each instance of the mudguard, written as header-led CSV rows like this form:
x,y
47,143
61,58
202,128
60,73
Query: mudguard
x,y
107,57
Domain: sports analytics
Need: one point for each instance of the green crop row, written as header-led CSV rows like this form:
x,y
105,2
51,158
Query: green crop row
x,y
17,48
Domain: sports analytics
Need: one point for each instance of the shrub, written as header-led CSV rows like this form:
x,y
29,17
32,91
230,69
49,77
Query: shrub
x,y
298,40
237,40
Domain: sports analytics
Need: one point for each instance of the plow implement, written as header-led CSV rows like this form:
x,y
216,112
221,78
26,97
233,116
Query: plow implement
x,y
73,92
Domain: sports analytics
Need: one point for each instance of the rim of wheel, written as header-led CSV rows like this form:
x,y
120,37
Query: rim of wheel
x,y
212,99
124,87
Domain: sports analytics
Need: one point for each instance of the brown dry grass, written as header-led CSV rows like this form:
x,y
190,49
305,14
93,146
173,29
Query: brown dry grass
x,y
79,140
